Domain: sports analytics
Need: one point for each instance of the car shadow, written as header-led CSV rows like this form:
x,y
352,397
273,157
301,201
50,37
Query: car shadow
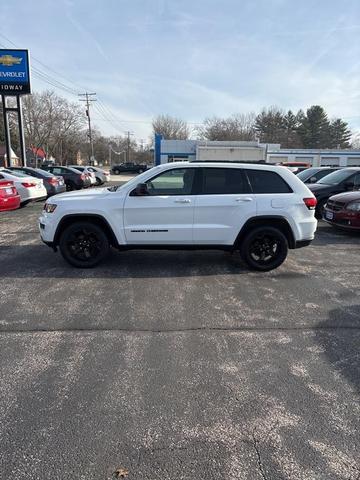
x,y
339,338
38,261
329,235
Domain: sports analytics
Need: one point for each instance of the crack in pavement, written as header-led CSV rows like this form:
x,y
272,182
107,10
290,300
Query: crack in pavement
x,y
255,444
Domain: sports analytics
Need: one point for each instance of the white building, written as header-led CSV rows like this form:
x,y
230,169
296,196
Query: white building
x,y
200,150
316,158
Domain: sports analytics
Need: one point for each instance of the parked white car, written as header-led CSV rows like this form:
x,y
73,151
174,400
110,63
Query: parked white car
x,y
86,171
29,188
259,210
102,176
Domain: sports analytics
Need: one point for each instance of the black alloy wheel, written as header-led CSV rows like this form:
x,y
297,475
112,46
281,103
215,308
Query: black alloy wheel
x,y
264,248
84,244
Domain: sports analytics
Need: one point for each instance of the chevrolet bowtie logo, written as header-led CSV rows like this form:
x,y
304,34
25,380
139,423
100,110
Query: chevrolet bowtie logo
x,y
9,60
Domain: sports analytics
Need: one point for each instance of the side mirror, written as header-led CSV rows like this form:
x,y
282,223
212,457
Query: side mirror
x,y
141,190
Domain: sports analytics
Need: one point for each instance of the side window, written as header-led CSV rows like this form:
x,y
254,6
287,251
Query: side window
x,y
357,181
172,182
222,181
56,171
322,173
263,181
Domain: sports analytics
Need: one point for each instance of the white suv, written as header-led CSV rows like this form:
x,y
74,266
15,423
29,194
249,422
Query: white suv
x,y
260,210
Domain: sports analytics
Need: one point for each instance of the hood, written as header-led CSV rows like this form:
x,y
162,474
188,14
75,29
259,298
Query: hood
x,y
318,187
88,194
347,197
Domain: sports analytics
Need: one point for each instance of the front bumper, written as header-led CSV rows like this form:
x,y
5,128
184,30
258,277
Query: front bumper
x,y
343,219
47,228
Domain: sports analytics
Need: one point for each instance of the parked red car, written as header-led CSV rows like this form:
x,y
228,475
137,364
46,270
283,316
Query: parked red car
x,y
343,210
9,197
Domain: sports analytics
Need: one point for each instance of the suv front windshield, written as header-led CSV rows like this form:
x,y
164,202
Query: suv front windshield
x,y
336,177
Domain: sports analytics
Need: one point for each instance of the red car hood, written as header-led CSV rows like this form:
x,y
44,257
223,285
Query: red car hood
x,y
347,196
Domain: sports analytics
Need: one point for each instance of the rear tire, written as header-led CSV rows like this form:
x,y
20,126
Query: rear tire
x,y
264,248
84,244
98,182
117,172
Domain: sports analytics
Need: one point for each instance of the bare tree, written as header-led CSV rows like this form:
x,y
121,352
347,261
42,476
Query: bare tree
x,y
237,127
53,123
170,128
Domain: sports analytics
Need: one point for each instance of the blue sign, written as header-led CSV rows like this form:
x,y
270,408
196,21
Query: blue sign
x,y
14,72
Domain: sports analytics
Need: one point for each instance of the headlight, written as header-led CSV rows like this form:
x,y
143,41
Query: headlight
x,y
49,207
353,206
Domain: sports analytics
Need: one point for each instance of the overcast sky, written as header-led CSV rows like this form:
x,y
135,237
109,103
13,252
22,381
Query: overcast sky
x,y
194,58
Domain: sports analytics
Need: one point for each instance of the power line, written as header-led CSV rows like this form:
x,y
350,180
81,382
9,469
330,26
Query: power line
x,y
103,109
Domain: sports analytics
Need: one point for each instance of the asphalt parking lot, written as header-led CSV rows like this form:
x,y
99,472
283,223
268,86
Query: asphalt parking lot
x,y
178,365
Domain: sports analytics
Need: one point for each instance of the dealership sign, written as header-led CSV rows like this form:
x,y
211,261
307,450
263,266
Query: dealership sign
x,y
14,72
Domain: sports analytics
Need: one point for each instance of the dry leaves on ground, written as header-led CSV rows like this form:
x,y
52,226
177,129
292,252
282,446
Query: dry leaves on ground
x,y
121,472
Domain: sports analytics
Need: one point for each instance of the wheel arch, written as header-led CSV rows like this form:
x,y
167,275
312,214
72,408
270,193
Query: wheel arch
x,y
270,221
86,217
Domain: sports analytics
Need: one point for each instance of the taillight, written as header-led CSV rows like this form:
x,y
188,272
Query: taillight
x,y
106,173
28,184
310,202
53,181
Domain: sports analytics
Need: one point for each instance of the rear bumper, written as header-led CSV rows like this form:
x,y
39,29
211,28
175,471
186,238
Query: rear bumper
x,y
10,203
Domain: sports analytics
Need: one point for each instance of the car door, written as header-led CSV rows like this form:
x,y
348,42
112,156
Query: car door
x,y
223,205
165,214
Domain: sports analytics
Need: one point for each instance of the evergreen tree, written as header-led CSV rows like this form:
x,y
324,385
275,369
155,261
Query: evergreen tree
x,y
269,125
314,128
290,137
340,134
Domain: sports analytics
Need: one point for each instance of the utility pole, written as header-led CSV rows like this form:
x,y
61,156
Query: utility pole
x,y
128,145
88,99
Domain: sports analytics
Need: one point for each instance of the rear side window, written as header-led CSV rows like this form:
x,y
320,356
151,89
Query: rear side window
x,y
217,181
322,174
263,181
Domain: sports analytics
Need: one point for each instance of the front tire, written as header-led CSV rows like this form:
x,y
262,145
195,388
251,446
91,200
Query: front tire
x,y
117,172
84,244
264,248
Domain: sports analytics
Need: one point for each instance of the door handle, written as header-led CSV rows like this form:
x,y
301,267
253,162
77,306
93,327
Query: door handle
x,y
244,199
182,200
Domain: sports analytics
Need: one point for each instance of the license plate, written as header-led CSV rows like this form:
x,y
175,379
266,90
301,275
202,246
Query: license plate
x,y
329,215
61,182
8,191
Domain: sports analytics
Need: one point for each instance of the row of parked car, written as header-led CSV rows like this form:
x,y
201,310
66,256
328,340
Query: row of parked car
x,y
337,191
21,185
